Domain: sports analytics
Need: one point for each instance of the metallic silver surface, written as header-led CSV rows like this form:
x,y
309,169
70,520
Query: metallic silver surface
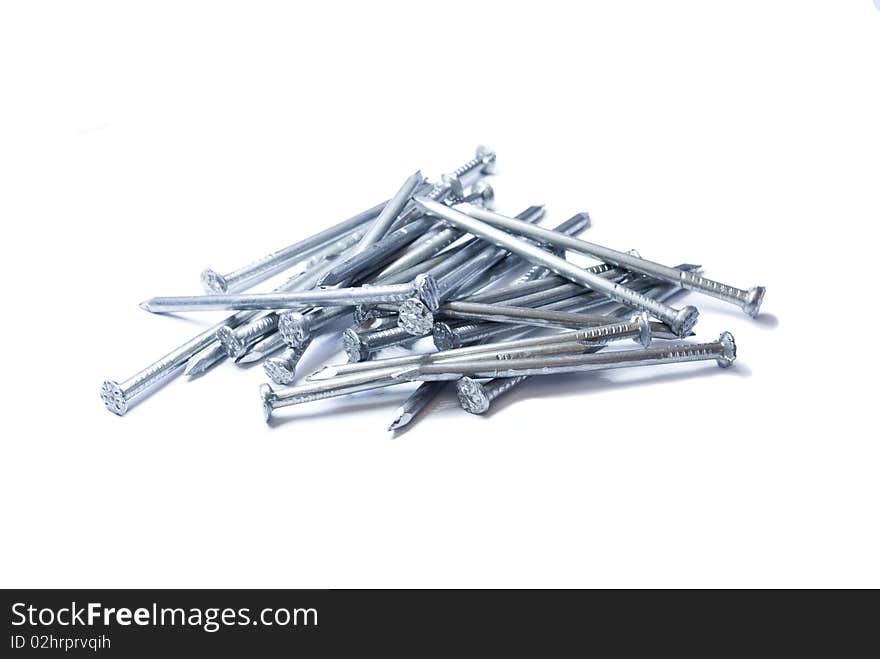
x,y
295,327
422,287
518,315
391,210
748,300
236,341
476,397
204,359
496,290
723,351
680,320
117,396
282,369
417,318
439,237
312,391
389,375
517,288
360,346
415,403
637,328
472,247
315,267
484,269
373,255
266,346
452,335
482,163
573,226
455,182
270,264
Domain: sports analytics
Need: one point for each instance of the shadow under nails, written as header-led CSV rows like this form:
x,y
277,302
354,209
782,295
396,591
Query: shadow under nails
x,y
578,384
767,321
319,353
712,308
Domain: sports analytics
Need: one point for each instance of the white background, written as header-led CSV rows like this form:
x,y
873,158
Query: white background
x,y
140,143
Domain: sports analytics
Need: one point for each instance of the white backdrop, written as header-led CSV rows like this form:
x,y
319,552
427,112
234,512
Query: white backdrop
x,y
142,143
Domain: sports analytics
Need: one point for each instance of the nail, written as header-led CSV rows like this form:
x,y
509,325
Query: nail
x,y
358,346
312,391
297,327
215,352
282,369
236,341
422,287
680,320
749,300
416,318
439,237
450,335
476,397
722,351
455,182
266,346
496,313
637,328
270,264
572,226
373,256
415,403
392,209
117,396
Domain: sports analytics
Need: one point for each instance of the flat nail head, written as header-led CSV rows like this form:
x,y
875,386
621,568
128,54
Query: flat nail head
x,y
294,328
444,337
113,397
214,282
486,192
233,346
644,337
415,318
754,300
267,397
472,396
487,155
728,356
354,347
425,288
685,320
279,371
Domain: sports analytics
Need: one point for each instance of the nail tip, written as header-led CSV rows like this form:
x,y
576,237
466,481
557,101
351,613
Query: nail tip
x,y
322,374
402,420
329,279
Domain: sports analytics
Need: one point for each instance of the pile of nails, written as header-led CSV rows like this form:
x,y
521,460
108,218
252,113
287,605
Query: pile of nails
x,y
496,295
